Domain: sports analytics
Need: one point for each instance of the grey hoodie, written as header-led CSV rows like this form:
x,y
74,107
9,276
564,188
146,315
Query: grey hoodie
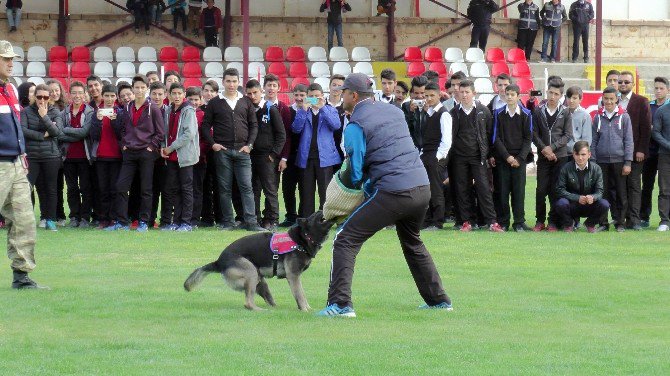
x,y
581,128
187,143
612,138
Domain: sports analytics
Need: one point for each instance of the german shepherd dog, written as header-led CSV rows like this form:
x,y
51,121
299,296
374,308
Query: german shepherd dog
x,y
246,262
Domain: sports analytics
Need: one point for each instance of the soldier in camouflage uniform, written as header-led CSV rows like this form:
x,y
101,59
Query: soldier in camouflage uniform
x,y
15,204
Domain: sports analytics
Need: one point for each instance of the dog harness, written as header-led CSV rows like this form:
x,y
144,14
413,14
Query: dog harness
x,y
281,243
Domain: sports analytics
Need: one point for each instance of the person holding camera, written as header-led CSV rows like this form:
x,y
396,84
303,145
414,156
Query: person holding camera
x,y
413,109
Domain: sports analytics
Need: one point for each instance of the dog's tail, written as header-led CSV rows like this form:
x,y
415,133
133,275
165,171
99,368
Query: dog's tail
x,y
199,274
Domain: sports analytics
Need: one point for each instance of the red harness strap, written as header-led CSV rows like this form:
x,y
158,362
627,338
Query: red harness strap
x,y
281,243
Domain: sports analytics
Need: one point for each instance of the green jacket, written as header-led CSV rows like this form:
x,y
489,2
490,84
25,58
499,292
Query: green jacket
x,y
568,182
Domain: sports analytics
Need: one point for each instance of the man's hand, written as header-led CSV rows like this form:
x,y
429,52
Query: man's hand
x,y
125,148
43,109
492,162
639,157
589,199
511,160
625,171
112,116
270,158
164,153
218,147
583,200
46,134
412,106
150,150
245,149
319,105
547,152
282,165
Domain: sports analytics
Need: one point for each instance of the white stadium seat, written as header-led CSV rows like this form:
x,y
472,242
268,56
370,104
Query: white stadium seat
x,y
485,99
36,80
453,55
483,85
458,67
37,53
212,54
339,54
125,54
360,54
324,82
479,70
365,68
237,65
103,54
256,54
256,70
214,69
474,55
125,69
320,69
147,66
233,54
103,69
18,69
147,53
317,53
19,51
18,81
342,68
36,69
124,79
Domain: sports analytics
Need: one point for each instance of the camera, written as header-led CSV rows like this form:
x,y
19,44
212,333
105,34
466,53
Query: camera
x,y
420,103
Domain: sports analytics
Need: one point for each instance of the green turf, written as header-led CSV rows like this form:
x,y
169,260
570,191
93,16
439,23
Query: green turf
x,y
523,304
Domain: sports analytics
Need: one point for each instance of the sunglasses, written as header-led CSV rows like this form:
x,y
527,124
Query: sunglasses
x,y
42,97
625,82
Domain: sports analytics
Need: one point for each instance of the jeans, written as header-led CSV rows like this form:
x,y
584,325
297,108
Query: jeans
x,y
229,162
334,29
553,33
156,14
14,17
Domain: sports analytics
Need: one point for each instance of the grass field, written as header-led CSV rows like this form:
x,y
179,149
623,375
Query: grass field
x,y
523,304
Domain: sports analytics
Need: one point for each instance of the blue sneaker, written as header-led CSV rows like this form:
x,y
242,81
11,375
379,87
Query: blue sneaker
x,y
334,310
443,305
50,225
142,227
116,226
184,228
170,227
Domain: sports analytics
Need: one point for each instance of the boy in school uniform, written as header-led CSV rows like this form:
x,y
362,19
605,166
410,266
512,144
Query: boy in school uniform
x,y
194,96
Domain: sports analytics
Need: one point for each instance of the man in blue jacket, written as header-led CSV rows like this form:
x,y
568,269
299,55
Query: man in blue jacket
x,y
377,141
315,122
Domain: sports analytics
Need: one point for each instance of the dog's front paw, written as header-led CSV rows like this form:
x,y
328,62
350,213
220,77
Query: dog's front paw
x,y
306,308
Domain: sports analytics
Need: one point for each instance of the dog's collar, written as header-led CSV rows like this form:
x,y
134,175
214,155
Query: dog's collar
x,y
282,243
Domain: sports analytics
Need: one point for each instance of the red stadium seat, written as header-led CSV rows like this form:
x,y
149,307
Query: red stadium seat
x,y
81,54
283,83
443,81
192,70
64,83
413,54
274,53
80,69
278,68
189,54
415,69
521,70
192,82
494,55
299,80
284,98
438,67
295,53
516,55
58,69
498,68
168,54
171,67
298,69
58,53
525,85
433,54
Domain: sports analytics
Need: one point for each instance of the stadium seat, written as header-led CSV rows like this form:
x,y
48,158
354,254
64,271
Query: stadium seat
x,y
214,69
146,53
415,68
338,54
36,80
442,81
283,84
233,54
147,66
36,69
365,68
360,54
192,70
19,51
433,54
212,54
317,53
192,82
57,69
125,69
274,54
237,65
18,69
320,69
521,70
295,54
438,67
103,69
190,54
485,99
342,68
298,69
474,55
17,81
413,54
516,55
458,67
278,68
324,82
80,69
125,54
483,85
37,53
168,54
256,54
256,70
81,54
453,55
58,53
494,55
126,80
299,80
525,85
103,54
498,68
170,66
479,70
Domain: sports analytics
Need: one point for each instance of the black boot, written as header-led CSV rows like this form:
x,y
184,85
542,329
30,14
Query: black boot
x,y
22,281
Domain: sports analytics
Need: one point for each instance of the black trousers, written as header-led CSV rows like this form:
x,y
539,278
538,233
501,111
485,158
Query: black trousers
x,y
480,36
178,13
159,173
467,169
567,211
312,176
649,170
580,31
211,37
510,181
664,188
525,40
405,210
108,174
60,206
78,180
177,195
199,172
547,178
435,213
634,193
614,184
43,174
211,211
133,161
134,198
142,16
95,192
291,181
265,178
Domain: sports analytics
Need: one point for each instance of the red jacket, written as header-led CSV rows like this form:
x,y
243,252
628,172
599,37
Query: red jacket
x,y
218,22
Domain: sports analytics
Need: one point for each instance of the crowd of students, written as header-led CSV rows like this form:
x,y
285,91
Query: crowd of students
x,y
208,158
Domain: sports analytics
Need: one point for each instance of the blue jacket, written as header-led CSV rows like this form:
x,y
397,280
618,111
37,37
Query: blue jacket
x,y
329,121
12,141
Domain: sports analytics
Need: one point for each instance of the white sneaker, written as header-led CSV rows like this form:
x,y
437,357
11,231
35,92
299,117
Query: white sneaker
x,y
61,223
663,228
43,223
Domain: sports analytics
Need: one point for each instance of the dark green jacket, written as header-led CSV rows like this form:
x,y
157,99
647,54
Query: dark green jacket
x,y
568,182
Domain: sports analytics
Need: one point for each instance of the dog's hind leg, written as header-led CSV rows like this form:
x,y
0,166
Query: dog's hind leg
x,y
264,291
243,276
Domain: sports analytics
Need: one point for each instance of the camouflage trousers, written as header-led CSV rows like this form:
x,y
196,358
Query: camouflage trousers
x,y
16,207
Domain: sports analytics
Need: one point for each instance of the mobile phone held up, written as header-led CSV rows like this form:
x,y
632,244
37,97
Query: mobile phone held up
x,y
536,93
312,101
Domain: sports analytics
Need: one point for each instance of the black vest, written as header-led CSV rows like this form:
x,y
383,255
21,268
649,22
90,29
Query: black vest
x,y
432,132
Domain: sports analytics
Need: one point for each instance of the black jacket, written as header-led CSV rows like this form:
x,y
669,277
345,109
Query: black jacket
x,y
232,128
335,14
568,182
558,136
15,4
581,13
480,11
484,127
34,126
271,133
